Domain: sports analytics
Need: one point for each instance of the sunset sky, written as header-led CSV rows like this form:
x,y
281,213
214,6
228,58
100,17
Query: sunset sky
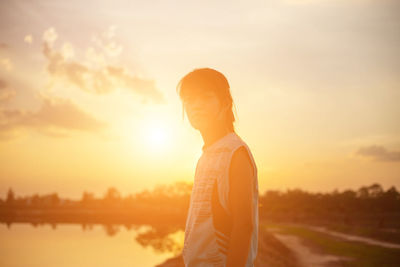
x,y
88,91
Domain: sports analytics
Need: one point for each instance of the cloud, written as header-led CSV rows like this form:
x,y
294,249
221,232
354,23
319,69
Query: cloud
x,y
142,86
95,75
67,51
50,36
56,117
28,39
6,93
6,63
107,43
378,153
3,46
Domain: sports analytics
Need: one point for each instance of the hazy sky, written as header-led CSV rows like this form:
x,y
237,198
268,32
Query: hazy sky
x,y
88,100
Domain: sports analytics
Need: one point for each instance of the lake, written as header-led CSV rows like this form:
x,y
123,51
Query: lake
x,y
23,244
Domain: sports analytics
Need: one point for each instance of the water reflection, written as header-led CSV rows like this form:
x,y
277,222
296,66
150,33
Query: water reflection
x,y
163,238
147,244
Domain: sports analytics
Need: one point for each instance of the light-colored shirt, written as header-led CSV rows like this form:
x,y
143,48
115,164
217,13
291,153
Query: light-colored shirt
x,y
209,220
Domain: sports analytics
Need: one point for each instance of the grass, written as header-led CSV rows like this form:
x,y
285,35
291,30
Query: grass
x,y
361,254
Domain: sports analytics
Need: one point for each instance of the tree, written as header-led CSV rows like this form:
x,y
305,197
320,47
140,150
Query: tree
x,y
112,195
375,190
10,196
55,199
87,197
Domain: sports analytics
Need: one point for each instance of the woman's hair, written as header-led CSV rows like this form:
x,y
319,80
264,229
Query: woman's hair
x,y
202,80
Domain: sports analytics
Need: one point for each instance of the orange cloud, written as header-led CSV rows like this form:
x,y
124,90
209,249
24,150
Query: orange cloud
x,y
379,153
56,117
98,80
142,86
28,39
6,63
6,93
107,43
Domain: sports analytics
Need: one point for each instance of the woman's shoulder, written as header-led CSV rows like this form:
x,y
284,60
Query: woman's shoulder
x,y
230,144
235,142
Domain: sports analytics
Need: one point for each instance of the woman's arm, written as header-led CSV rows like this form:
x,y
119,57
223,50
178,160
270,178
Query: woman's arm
x,y
241,201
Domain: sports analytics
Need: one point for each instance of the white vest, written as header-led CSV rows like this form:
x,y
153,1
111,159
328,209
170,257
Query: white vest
x,y
208,224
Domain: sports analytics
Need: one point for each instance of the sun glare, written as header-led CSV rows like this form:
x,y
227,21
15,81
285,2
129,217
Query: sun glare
x,y
156,135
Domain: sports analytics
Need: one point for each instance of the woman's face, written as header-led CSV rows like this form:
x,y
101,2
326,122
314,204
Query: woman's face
x,y
203,111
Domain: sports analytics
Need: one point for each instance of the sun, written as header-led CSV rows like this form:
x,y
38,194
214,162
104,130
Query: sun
x,y
156,135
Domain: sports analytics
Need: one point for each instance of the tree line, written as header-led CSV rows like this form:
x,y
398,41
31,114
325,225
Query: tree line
x,y
368,204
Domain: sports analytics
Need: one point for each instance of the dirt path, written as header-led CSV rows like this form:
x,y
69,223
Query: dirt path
x,y
305,255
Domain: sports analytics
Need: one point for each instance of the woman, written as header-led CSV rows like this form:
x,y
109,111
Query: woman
x,y
222,222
